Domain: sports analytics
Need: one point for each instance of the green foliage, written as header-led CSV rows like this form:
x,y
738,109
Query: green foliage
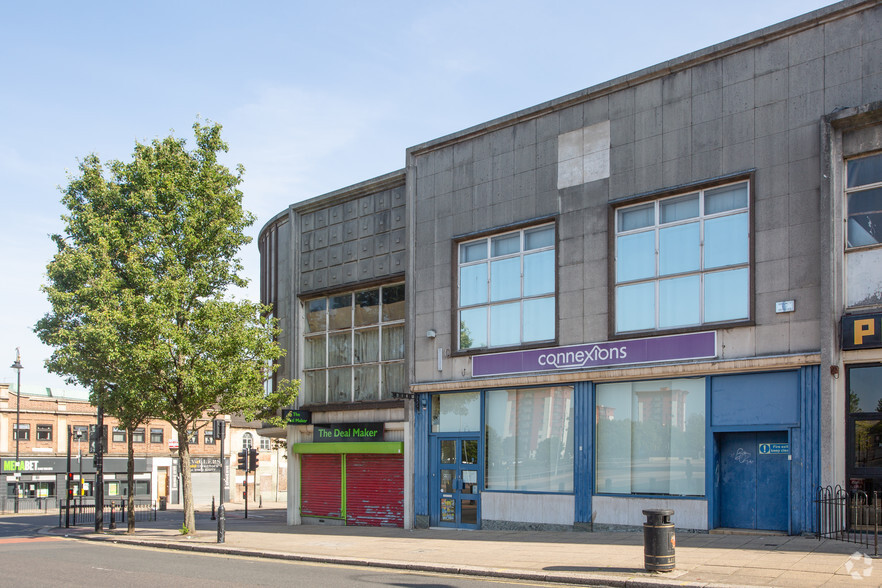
x,y
139,286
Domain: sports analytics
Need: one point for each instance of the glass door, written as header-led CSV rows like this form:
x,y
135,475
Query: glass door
x,y
457,492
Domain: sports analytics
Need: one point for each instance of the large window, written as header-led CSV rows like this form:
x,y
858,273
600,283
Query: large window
x,y
864,201
651,437
506,289
44,432
138,435
119,435
156,435
683,261
529,436
864,427
353,349
21,432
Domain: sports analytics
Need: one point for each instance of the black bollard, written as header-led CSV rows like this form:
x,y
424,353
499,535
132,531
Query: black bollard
x,y
658,541
212,508
112,518
221,524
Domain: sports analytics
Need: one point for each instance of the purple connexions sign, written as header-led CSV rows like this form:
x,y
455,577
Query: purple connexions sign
x,y
594,355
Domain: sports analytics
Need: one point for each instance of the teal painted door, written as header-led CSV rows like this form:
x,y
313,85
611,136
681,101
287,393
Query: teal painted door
x,y
754,480
456,497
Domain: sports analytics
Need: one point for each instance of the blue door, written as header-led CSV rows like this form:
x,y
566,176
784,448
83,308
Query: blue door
x,y
456,491
754,480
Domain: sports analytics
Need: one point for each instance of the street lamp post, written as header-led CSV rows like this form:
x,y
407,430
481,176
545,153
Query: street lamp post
x,y
17,367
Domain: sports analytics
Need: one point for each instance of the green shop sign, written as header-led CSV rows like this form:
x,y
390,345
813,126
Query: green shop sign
x,y
352,432
296,417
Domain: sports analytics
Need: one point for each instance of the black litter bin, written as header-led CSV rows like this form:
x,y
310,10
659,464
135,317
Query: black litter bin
x,y
163,501
658,541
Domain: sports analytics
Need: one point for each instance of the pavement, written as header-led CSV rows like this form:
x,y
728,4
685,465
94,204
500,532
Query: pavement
x,y
582,558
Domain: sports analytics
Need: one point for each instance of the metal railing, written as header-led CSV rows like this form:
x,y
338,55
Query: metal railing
x,y
849,515
115,511
27,505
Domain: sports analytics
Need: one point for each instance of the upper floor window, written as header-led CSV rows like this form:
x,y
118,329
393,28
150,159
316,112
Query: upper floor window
x,y
684,260
507,289
265,443
247,441
44,432
156,435
354,346
138,435
119,435
864,201
21,432
208,437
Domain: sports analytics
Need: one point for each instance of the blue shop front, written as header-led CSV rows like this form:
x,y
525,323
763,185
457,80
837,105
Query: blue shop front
x,y
587,436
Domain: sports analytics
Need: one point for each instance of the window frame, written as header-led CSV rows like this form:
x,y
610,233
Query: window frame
x,y
138,435
247,441
17,430
208,437
44,432
265,443
847,191
328,332
747,177
118,435
488,235
154,431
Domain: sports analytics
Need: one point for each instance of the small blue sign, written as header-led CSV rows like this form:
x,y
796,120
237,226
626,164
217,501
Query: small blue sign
x,y
774,448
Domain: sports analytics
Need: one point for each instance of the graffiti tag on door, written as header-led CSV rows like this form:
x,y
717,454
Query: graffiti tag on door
x,y
742,456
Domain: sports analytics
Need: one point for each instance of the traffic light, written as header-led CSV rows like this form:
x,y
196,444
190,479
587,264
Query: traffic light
x,y
253,458
243,460
70,485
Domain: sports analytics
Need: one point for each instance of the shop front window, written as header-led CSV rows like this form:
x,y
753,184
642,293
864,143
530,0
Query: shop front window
x,y
456,413
529,436
651,437
864,430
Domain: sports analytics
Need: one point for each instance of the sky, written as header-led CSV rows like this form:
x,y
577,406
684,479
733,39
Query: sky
x,y
313,96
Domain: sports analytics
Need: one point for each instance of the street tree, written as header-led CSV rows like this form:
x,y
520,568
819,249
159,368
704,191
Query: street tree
x,y
186,349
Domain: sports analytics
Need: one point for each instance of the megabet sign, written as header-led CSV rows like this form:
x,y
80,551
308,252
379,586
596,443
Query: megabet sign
x,y
24,465
596,355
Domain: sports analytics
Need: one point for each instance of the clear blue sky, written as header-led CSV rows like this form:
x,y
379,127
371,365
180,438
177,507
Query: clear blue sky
x,y
313,95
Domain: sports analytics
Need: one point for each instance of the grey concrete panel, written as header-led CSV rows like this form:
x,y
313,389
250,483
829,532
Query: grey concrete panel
x,y
483,170
738,128
738,97
320,258
306,261
772,276
350,210
525,158
707,164
482,196
349,272
648,123
365,269
365,206
771,57
307,222
350,251
502,141
648,96
381,244
621,158
306,282
366,226
571,118
383,221
647,152
463,176
622,185
381,266
321,238
525,134
622,104
707,136
425,185
805,242
772,244
676,144
738,158
843,96
443,182
321,218
335,275
320,279
546,179
804,175
648,178
677,86
707,77
335,234
806,46
738,67
677,115
844,67
335,255
804,270
596,111
365,248
803,142
350,230
335,215
677,171
503,165
806,78
398,218
397,240
306,242
525,185
805,108
397,262
570,276
399,197
772,87
622,131
771,119
707,106
771,213
443,159
547,127
871,58
840,33
872,88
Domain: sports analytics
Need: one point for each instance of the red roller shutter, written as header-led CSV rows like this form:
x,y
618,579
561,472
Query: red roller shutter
x,y
320,485
375,490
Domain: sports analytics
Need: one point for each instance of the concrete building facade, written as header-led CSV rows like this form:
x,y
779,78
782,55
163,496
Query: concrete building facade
x,y
662,291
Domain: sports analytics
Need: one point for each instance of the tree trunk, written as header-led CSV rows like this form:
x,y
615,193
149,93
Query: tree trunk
x,y
130,468
186,482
